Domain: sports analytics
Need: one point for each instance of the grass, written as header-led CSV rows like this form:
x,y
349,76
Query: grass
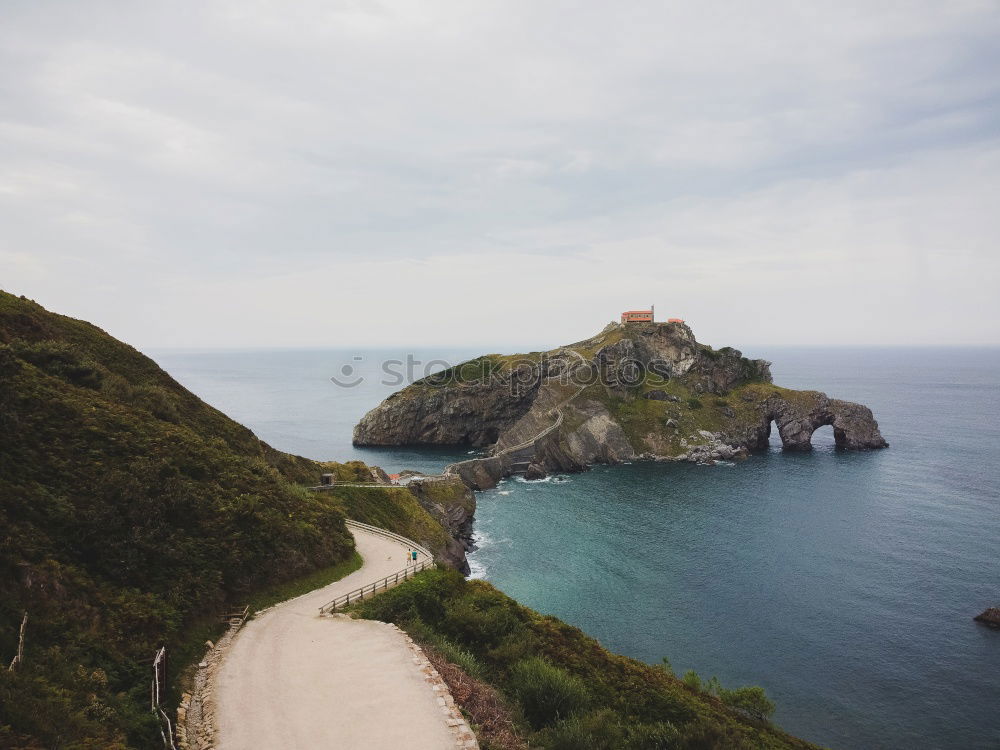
x,y
392,508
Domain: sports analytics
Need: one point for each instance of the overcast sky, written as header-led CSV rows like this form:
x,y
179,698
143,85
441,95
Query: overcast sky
x,y
503,174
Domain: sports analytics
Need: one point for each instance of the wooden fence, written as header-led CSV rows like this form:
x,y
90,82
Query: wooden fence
x,y
158,692
390,535
369,589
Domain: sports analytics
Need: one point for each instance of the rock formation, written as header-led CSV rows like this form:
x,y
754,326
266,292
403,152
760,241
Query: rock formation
x,y
991,617
633,391
452,504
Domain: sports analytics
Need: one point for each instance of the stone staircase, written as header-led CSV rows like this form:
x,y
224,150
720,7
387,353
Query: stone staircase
x,y
521,458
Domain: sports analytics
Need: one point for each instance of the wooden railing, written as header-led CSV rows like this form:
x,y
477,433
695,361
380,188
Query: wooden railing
x,y
390,535
370,589
158,689
236,617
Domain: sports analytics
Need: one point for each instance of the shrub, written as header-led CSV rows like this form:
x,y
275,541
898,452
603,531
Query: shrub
x,y
720,402
546,692
692,680
713,686
750,700
600,730
9,364
694,403
61,360
658,736
480,621
157,402
463,658
666,666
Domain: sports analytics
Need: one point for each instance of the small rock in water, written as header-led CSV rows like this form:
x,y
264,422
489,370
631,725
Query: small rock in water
x,y
990,617
534,471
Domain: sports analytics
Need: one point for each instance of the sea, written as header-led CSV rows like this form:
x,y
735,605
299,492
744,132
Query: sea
x,y
843,583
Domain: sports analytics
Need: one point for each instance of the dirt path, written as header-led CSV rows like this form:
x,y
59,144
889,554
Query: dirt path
x,y
293,679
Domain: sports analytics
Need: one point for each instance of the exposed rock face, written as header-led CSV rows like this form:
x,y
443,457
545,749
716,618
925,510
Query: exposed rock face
x,y
450,501
633,391
470,414
535,471
989,617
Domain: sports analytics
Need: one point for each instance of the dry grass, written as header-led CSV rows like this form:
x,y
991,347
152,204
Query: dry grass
x,y
493,723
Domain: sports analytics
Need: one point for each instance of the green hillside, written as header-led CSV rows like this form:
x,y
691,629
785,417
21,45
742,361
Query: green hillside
x,y
129,510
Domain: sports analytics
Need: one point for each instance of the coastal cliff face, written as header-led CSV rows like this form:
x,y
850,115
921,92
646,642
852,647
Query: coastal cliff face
x,y
633,391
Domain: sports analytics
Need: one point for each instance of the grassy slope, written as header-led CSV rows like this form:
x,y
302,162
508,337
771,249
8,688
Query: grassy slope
x,y
622,703
395,509
129,510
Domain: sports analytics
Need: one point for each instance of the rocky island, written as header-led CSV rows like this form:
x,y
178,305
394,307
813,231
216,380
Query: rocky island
x,y
634,391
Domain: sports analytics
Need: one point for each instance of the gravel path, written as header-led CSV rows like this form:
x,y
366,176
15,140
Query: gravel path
x,y
293,679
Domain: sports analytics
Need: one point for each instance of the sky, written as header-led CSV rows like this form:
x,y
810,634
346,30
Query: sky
x,y
510,175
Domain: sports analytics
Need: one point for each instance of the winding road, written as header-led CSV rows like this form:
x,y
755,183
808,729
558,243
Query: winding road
x,y
293,679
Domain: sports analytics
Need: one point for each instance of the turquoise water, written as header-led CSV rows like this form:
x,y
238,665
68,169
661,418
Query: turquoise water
x,y
843,583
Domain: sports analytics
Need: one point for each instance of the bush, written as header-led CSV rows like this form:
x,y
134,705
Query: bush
x,y
666,666
480,621
462,658
600,730
692,680
157,402
694,403
546,692
750,700
658,736
61,360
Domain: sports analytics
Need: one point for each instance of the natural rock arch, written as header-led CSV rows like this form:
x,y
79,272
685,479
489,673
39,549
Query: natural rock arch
x,y
854,426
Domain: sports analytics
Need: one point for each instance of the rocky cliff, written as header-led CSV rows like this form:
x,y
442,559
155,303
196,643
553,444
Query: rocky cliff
x,y
632,391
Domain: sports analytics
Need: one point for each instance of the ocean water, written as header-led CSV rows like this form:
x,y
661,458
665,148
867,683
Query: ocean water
x,y
844,583
307,401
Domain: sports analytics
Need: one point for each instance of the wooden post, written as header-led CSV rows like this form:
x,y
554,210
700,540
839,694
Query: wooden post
x,y
19,657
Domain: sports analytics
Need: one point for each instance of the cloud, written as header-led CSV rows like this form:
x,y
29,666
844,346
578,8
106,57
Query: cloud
x,y
259,173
